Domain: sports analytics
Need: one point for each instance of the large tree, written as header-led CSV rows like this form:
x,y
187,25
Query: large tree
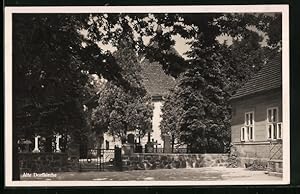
x,y
199,108
52,61
51,66
119,111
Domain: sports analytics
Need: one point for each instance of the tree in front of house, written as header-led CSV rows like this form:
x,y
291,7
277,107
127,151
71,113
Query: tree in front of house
x,y
196,111
119,111
170,110
52,62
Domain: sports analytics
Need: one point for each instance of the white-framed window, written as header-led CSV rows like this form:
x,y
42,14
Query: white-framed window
x,y
247,131
272,115
274,128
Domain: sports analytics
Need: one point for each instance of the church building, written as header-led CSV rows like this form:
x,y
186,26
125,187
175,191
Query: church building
x,y
157,84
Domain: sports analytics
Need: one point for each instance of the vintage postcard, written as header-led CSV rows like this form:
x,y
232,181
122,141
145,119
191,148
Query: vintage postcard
x,y
147,95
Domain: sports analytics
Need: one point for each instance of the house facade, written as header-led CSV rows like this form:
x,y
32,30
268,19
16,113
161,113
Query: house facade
x,y
256,126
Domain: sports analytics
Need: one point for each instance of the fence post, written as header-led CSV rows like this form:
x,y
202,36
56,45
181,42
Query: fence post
x,y
118,158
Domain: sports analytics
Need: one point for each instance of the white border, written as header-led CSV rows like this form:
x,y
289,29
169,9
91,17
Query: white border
x,y
284,9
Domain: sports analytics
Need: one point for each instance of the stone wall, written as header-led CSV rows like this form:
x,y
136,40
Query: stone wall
x,y
275,166
47,162
148,161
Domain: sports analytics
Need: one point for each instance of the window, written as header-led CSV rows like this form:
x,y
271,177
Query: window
x,y
279,132
274,128
273,115
243,134
247,131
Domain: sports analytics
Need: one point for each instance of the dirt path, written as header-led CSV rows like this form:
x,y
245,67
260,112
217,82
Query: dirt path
x,y
192,174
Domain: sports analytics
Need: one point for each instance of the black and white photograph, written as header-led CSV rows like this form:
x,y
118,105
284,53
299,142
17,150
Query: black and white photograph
x,y
147,95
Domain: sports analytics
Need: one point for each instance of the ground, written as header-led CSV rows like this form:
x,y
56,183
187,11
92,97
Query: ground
x,y
183,174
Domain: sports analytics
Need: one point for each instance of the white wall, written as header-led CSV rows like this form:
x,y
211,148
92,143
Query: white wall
x,y
112,141
156,134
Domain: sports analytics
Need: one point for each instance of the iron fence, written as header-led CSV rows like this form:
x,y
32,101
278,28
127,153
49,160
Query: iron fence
x,y
161,150
97,160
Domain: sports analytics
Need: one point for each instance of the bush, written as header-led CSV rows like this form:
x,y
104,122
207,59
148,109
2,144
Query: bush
x,y
233,160
257,165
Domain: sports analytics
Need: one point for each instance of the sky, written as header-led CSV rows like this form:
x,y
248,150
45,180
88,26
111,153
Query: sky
x,y
181,45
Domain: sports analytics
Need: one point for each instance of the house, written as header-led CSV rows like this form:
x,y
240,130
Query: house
x,y
256,126
157,83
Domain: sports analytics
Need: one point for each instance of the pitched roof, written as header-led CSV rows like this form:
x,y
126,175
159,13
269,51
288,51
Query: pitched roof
x,y
269,77
156,81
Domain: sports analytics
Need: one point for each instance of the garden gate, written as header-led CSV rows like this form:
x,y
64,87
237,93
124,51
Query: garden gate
x,y
101,160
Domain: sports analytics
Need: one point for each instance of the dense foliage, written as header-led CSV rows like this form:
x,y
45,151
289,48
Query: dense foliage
x,y
54,56
118,111
197,111
51,68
